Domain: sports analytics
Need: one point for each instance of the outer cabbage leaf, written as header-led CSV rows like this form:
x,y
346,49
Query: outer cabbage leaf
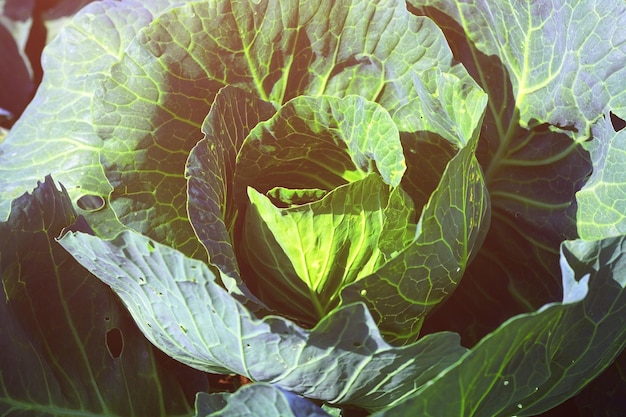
x,y
602,202
256,400
606,395
148,106
535,361
26,27
55,133
532,174
68,345
568,80
55,15
181,309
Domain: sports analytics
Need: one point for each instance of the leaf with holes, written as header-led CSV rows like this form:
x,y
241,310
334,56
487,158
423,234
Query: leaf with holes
x,y
68,345
210,330
289,174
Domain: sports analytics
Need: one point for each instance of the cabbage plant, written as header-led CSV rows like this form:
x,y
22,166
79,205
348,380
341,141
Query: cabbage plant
x,y
353,205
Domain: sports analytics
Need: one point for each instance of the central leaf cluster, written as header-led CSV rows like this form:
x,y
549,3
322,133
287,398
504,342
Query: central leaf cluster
x,y
334,165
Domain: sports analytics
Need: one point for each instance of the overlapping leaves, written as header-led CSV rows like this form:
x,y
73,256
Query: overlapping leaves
x,y
168,73
542,95
350,149
273,49
568,82
535,361
530,146
56,135
255,399
180,308
553,71
528,365
324,143
68,345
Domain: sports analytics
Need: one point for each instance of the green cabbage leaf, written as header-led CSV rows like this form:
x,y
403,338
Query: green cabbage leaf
x,y
395,208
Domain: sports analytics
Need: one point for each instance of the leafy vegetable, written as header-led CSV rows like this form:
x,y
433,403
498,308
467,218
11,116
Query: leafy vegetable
x,y
253,398
534,162
314,194
271,155
209,330
600,213
69,346
533,361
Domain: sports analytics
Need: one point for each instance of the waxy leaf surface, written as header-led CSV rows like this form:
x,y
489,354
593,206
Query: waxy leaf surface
x,y
68,345
180,308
